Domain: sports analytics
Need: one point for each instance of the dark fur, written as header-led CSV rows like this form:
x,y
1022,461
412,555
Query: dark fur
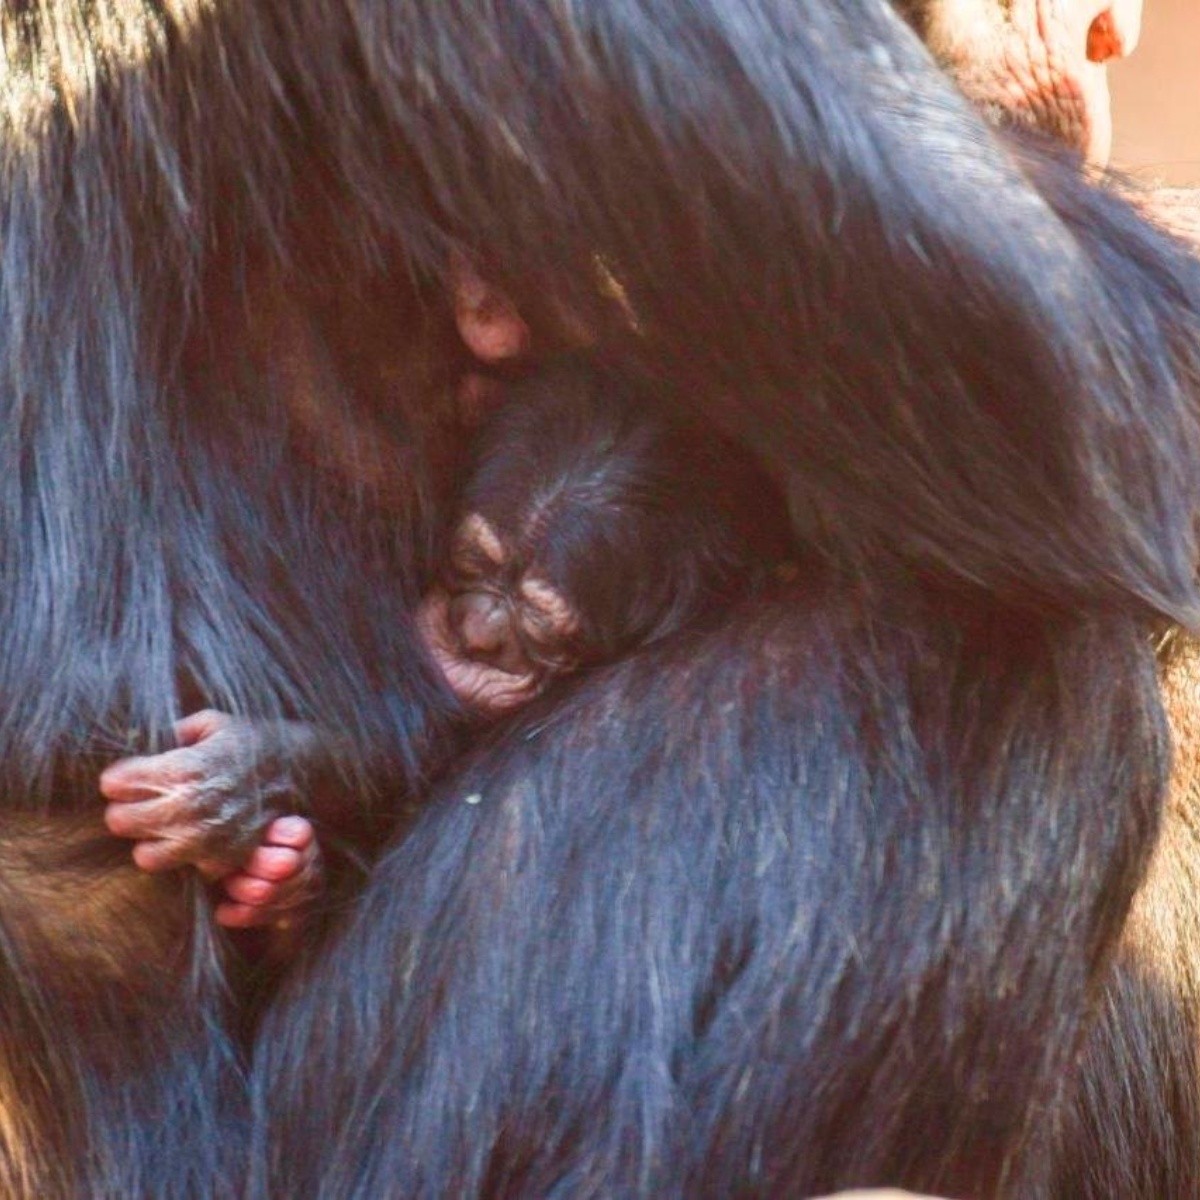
x,y
1134,1130
852,934
644,523
787,969
117,1075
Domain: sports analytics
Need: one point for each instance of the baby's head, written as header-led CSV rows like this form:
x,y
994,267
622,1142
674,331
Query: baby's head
x,y
590,524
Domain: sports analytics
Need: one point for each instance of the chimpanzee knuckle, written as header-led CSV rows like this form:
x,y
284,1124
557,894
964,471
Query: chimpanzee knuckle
x,y
213,719
237,731
280,789
227,825
225,753
221,819
187,803
244,757
164,772
206,840
198,727
218,776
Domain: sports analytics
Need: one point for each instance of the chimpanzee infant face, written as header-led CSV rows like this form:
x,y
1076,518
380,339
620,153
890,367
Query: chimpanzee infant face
x,y
499,631
590,524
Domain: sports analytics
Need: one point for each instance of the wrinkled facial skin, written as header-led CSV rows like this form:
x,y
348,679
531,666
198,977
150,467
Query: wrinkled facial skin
x,y
499,634
1040,63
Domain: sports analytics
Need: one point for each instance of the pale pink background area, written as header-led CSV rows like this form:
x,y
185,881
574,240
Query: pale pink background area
x,y
1156,96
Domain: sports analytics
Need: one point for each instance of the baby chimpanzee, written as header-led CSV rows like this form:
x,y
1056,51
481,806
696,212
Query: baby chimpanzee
x,y
590,524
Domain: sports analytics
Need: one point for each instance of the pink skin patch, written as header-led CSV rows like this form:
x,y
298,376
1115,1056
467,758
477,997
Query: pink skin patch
x,y
472,633
550,607
488,689
281,876
1041,61
172,804
487,321
476,533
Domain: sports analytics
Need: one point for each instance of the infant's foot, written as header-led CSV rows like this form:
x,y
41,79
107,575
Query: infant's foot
x,y
279,878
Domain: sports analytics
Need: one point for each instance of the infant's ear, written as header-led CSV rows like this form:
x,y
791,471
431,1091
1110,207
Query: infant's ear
x,y
478,397
488,323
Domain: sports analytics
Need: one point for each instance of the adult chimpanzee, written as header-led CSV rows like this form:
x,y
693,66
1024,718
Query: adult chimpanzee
x,y
821,896
1034,63
1134,1128
574,490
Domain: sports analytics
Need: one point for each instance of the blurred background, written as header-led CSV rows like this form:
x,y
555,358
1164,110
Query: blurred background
x,y
1156,97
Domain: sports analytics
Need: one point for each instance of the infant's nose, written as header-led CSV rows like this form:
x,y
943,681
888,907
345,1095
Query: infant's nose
x,y
481,622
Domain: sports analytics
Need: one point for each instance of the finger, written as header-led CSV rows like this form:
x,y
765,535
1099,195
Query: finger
x,y
247,889
252,902
201,725
133,779
281,878
161,854
276,863
242,916
168,816
294,831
